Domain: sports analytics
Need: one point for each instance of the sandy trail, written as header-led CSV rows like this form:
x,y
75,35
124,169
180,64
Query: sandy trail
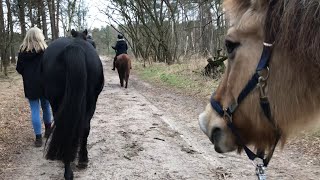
x,y
146,132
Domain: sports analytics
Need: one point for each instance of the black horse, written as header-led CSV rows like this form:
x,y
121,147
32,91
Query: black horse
x,y
72,79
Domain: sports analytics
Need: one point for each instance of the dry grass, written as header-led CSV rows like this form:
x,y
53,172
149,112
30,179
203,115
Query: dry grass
x,y
186,77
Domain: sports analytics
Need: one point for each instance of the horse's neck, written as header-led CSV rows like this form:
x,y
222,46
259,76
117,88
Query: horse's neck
x,y
295,92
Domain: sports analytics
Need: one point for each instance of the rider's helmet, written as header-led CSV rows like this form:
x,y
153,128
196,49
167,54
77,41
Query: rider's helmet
x,y
120,36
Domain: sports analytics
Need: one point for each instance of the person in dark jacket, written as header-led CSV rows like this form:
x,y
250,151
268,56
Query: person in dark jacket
x,y
91,41
29,66
121,47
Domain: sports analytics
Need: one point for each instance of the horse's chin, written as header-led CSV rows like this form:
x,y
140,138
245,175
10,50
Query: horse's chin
x,y
221,146
224,149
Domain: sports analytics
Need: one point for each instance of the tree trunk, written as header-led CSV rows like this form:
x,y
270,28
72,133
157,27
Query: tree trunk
x,y
4,42
22,19
43,18
71,10
2,36
57,19
39,12
10,23
51,8
30,6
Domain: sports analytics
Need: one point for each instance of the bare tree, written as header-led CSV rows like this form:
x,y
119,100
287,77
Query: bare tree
x,y
167,29
42,12
22,20
57,19
10,25
51,7
30,12
2,36
4,40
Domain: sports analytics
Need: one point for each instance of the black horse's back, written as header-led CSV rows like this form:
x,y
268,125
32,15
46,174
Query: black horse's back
x,y
73,79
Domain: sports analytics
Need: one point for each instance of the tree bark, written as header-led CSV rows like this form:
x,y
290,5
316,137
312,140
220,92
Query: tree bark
x,y
30,13
39,12
43,18
1,36
3,42
10,24
57,19
51,8
22,19
71,10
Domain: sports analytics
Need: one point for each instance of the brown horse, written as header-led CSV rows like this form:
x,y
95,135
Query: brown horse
x,y
285,96
123,65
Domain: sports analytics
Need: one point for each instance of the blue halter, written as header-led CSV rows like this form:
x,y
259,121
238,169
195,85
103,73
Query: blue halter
x,y
257,80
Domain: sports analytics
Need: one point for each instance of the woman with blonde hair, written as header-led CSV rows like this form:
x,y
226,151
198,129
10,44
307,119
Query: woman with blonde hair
x,y
29,66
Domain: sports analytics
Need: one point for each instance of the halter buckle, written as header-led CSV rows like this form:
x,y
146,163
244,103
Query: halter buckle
x,y
262,81
264,76
227,116
262,90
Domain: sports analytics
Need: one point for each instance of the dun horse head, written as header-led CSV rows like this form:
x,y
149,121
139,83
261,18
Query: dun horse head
x,y
292,86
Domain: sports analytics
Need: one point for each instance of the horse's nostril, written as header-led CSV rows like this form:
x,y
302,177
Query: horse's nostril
x,y
215,134
216,130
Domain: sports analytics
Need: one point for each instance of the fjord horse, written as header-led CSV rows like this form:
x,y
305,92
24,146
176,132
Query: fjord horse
x,y
72,79
123,65
270,89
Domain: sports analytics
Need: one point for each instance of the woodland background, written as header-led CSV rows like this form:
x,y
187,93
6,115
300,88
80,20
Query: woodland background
x,y
169,31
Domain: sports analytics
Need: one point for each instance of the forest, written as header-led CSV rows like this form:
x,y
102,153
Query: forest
x,y
168,31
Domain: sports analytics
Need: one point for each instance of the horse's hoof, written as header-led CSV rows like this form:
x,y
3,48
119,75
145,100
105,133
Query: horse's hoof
x,y
82,165
68,177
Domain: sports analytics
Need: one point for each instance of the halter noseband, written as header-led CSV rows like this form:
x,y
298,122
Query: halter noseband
x,y
258,80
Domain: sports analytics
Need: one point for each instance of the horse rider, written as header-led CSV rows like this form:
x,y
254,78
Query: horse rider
x,y
121,47
91,41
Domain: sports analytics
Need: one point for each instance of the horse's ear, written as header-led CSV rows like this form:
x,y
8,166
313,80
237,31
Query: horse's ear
x,y
73,33
85,32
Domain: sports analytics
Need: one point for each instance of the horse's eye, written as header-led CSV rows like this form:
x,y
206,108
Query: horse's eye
x,y
231,46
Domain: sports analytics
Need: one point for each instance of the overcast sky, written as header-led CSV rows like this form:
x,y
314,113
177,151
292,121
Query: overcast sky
x,y
95,18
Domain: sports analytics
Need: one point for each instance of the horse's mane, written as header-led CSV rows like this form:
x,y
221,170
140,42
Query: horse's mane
x,y
295,27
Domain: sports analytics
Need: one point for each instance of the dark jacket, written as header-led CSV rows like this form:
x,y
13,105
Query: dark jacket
x,y
91,41
121,47
29,66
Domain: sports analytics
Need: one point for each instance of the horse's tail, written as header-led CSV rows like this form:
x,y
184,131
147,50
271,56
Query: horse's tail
x,y
128,68
70,117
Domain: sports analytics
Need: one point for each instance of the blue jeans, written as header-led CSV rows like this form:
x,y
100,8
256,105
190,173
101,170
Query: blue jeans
x,y
35,113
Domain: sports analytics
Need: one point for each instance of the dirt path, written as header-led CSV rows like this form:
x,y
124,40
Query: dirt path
x,y
145,132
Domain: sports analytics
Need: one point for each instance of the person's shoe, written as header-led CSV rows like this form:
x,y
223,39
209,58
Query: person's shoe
x,y
38,141
113,69
47,131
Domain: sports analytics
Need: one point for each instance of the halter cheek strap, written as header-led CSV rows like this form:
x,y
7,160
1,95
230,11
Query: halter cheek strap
x,y
257,81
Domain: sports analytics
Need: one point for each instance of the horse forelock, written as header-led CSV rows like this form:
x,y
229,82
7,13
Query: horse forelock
x,y
246,16
234,9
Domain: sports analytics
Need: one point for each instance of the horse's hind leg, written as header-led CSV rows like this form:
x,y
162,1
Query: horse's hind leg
x,y
120,77
127,77
68,174
83,153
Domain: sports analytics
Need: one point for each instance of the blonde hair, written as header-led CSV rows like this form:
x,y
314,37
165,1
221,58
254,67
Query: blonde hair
x,y
34,40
